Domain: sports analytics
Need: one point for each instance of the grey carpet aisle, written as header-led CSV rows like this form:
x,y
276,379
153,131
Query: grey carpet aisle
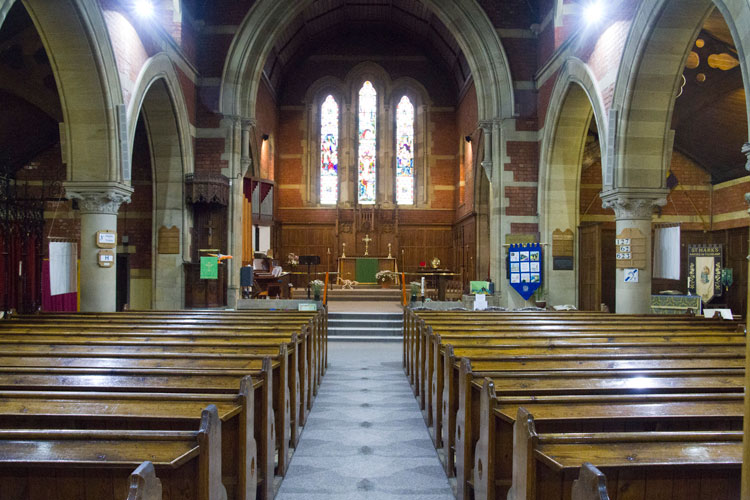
x,y
365,437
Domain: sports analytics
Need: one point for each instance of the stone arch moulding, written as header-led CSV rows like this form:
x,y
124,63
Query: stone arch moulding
x,y
88,84
575,99
158,67
158,96
474,33
642,147
574,72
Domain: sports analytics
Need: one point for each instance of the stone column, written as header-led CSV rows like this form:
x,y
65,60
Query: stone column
x,y
745,483
99,203
634,209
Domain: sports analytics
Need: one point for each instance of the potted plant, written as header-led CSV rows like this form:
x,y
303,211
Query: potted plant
x,y
384,278
540,298
317,287
415,287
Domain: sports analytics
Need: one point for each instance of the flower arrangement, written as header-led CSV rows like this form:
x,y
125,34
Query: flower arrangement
x,y
292,259
384,276
317,285
416,287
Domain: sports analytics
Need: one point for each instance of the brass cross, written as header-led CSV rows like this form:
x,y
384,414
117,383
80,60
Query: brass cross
x,y
367,241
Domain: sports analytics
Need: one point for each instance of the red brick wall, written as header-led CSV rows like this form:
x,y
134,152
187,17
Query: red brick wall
x,y
134,219
267,120
466,123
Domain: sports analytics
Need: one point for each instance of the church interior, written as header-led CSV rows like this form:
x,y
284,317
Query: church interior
x,y
464,191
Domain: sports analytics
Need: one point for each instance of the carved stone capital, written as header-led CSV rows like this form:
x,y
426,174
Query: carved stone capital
x,y
486,126
98,197
633,205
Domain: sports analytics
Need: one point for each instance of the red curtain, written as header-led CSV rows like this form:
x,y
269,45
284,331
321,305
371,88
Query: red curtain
x,y
66,302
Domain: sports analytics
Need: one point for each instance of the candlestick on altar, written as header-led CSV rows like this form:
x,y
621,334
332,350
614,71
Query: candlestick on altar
x,y
343,251
389,251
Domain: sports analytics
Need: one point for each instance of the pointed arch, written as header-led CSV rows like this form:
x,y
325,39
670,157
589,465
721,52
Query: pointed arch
x,y
650,74
465,19
85,71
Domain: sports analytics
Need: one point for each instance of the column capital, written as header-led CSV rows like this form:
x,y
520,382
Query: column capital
x,y
633,204
98,197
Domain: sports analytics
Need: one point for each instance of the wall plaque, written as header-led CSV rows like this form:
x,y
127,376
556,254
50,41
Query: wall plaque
x,y
106,258
169,240
630,248
106,239
563,250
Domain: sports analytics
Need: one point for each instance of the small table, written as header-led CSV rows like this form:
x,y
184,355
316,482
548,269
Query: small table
x,y
438,279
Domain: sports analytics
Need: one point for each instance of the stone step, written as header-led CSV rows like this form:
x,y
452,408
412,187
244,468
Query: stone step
x,y
365,326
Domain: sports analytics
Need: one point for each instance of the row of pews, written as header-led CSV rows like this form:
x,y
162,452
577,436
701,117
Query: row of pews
x,y
581,406
197,405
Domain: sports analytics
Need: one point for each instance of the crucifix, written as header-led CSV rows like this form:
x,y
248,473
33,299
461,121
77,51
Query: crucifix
x,y
367,241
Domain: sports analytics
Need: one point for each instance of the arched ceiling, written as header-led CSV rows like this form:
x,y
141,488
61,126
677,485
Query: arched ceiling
x,y
710,116
407,22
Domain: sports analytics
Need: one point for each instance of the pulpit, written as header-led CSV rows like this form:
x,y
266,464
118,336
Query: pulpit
x,y
363,269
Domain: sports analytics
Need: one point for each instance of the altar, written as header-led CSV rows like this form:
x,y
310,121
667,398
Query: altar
x,y
363,269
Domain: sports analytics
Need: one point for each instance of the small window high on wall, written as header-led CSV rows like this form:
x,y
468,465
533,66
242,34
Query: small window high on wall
x,y
405,152
367,151
329,151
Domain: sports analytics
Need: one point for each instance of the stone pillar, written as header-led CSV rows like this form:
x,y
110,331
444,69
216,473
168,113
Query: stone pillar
x,y
745,482
99,203
634,209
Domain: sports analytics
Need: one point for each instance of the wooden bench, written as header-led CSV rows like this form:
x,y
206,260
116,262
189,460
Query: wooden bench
x,y
492,464
238,413
637,465
52,464
572,383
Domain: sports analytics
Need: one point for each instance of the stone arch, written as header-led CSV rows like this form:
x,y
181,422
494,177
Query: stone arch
x,y
474,33
158,96
575,100
649,76
85,71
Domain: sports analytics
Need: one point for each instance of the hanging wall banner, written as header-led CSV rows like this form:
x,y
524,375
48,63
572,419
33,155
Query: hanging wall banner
x,y
704,271
525,266
209,268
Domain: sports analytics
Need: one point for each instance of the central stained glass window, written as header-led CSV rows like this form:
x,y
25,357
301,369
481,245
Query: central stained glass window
x,y
329,151
367,154
405,152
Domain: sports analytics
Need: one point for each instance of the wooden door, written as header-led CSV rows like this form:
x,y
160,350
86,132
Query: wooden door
x,y
589,267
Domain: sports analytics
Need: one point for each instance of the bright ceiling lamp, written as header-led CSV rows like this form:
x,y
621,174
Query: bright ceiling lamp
x,y
144,8
593,12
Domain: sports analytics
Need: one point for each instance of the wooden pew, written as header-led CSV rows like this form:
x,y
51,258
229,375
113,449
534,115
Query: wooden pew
x,y
293,373
638,465
444,401
65,464
572,383
171,382
492,469
144,485
116,411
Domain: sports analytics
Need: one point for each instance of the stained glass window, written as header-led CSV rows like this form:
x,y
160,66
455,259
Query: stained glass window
x,y
367,154
329,151
405,152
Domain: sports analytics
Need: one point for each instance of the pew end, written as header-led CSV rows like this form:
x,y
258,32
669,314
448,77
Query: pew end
x,y
248,447
590,485
144,485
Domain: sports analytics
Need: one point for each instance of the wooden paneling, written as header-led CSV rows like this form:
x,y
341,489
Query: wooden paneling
x,y
307,239
590,267
465,250
423,243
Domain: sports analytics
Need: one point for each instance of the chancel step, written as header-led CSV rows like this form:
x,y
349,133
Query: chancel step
x,y
365,326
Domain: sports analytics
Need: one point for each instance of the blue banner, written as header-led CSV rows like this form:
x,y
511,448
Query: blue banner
x,y
525,268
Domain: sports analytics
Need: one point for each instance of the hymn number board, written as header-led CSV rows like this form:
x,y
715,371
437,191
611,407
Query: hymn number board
x,y
630,248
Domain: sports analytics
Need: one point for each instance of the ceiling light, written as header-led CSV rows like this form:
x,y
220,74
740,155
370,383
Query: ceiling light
x,y
593,12
144,8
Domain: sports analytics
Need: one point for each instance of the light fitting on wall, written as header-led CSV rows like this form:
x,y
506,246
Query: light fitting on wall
x,y
468,138
264,137
144,8
593,12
